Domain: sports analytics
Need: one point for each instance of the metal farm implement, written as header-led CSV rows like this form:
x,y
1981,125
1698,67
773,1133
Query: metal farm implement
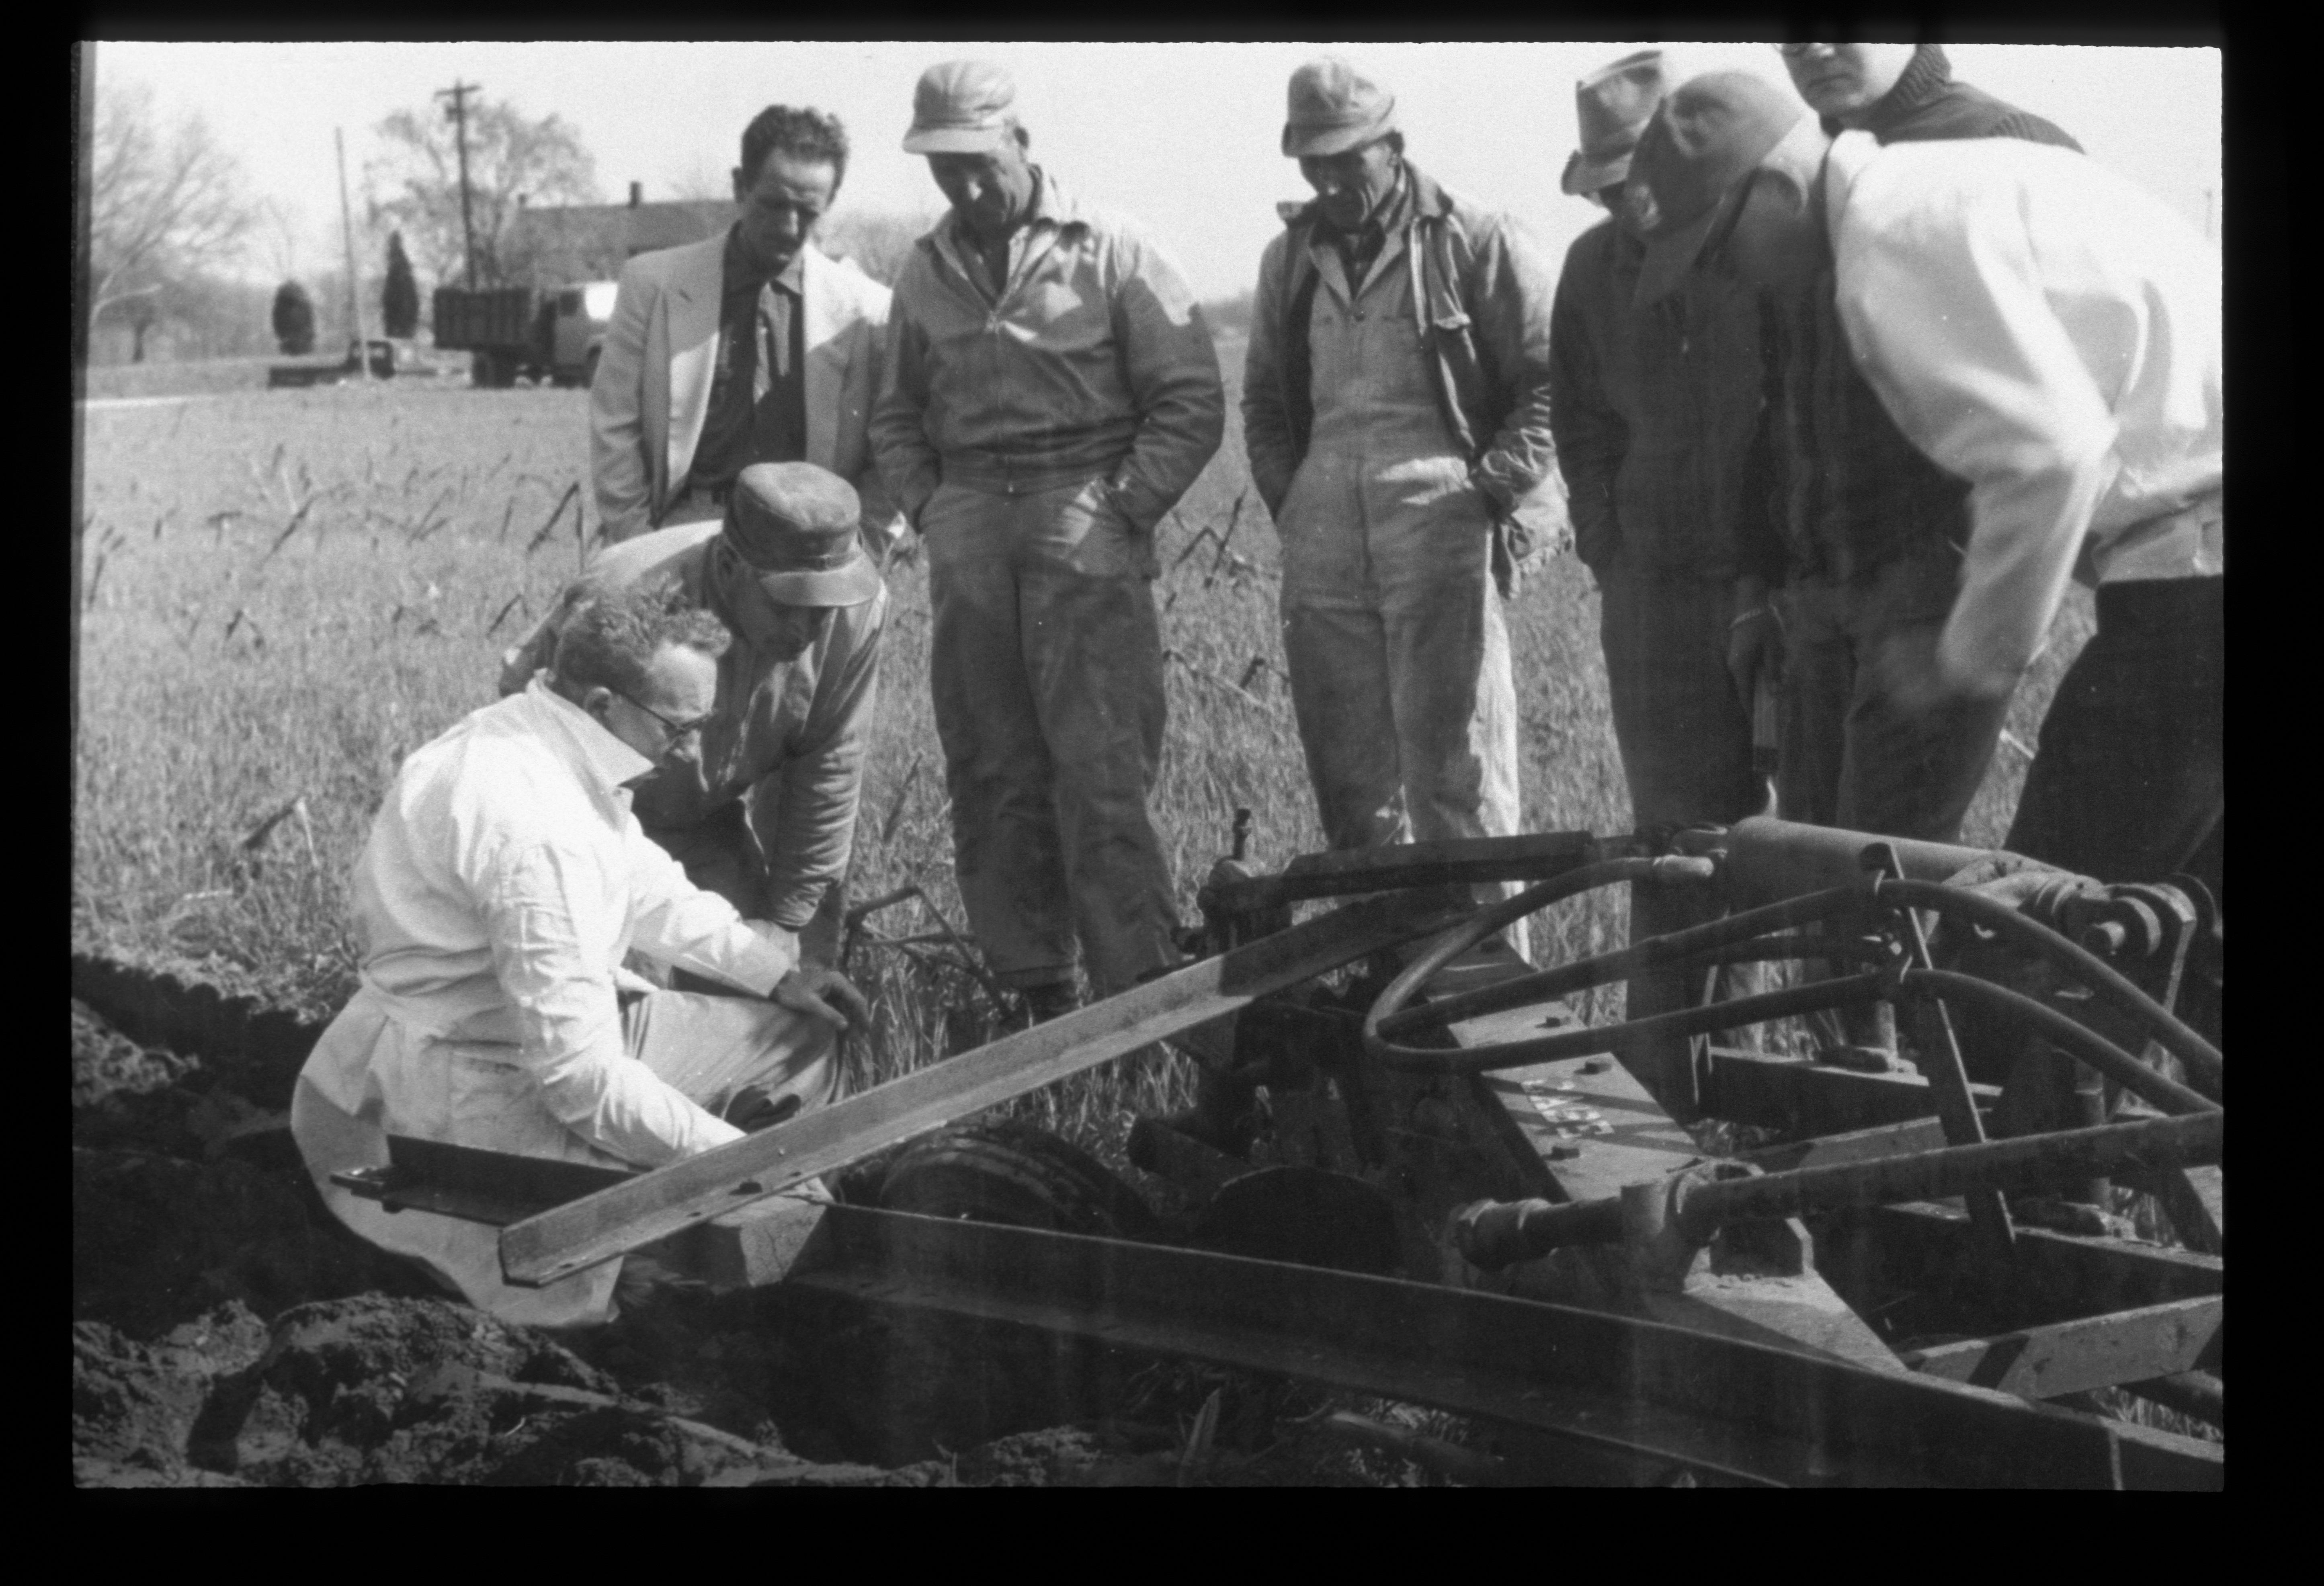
x,y
1414,1170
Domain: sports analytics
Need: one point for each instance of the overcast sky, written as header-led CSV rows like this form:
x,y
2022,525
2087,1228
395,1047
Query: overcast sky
x,y
1184,136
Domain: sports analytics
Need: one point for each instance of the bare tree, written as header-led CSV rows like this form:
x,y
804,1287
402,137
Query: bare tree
x,y
164,207
416,186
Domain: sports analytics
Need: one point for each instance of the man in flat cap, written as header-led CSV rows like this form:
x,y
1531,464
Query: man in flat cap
x,y
503,885
761,806
2048,336
1868,529
751,346
1396,407
1656,414
1051,391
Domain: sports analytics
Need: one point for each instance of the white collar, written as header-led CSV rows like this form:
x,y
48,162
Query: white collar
x,y
581,741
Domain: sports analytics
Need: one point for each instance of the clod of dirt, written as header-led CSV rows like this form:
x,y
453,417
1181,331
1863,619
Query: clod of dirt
x,y
135,1403
159,1240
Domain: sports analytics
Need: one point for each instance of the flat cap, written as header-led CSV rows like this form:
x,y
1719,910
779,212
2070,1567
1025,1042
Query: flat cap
x,y
1613,106
961,107
1335,108
1706,136
794,525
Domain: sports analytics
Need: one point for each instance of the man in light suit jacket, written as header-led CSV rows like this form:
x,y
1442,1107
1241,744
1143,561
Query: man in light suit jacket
x,y
750,347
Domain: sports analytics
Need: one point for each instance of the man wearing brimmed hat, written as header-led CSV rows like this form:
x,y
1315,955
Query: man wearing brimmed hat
x,y
762,811
1395,408
503,885
750,346
1656,414
2041,341
1051,391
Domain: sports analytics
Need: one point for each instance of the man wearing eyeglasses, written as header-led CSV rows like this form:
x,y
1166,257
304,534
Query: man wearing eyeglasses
x,y
505,882
758,805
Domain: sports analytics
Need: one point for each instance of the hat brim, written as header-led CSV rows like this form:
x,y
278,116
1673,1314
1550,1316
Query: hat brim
x,y
954,140
852,584
1301,143
1580,177
1671,255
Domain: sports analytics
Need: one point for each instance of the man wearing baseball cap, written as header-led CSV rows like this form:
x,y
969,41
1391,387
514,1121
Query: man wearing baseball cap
x,y
1051,392
2046,339
1396,407
761,810
1656,414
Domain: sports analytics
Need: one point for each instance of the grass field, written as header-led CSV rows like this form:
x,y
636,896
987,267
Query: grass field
x,y
285,592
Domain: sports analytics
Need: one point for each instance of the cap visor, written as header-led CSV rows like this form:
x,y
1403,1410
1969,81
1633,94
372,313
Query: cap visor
x,y
1582,178
954,140
1671,255
1299,142
852,584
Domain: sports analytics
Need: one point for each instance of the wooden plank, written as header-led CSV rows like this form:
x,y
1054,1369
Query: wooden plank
x,y
1805,1097
600,1227
2094,1352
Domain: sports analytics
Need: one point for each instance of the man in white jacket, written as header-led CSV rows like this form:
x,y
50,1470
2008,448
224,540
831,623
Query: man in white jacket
x,y
751,346
2043,330
503,882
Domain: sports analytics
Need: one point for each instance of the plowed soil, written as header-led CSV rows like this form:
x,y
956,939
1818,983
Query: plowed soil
x,y
228,1331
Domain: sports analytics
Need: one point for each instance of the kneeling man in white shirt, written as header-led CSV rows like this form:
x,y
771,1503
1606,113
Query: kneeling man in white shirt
x,y
503,883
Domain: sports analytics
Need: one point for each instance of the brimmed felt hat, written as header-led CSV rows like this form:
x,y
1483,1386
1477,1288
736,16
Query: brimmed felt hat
x,y
795,527
1706,136
1335,108
961,107
1613,106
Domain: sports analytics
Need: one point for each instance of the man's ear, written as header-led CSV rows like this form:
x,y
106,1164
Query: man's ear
x,y
741,187
597,701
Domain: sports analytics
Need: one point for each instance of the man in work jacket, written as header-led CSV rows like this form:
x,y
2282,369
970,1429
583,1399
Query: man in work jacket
x,y
1655,414
750,347
763,810
1051,390
1396,408
503,882
1870,533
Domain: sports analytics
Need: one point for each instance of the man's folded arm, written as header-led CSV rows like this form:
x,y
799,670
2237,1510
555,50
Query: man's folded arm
x,y
569,1019
1954,331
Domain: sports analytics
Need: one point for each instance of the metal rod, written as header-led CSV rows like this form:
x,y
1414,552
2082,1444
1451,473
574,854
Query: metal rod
x,y
2082,1042
1622,1039
2025,1162
1622,964
1494,1234
1941,1055
2102,978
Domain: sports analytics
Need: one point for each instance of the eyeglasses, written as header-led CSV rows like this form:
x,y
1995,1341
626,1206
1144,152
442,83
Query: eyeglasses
x,y
679,731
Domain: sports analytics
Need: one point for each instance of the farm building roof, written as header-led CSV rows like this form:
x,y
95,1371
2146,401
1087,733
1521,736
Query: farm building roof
x,y
591,242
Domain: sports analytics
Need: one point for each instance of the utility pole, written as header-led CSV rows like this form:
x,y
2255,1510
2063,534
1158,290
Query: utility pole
x,y
458,94
355,288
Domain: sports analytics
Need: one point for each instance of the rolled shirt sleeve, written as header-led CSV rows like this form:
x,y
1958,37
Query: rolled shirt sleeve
x,y
1171,364
532,897
1950,323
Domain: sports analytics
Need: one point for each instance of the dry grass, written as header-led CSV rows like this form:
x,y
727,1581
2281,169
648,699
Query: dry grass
x,y
288,590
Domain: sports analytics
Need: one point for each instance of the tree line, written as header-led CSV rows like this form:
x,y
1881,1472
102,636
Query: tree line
x,y
173,230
